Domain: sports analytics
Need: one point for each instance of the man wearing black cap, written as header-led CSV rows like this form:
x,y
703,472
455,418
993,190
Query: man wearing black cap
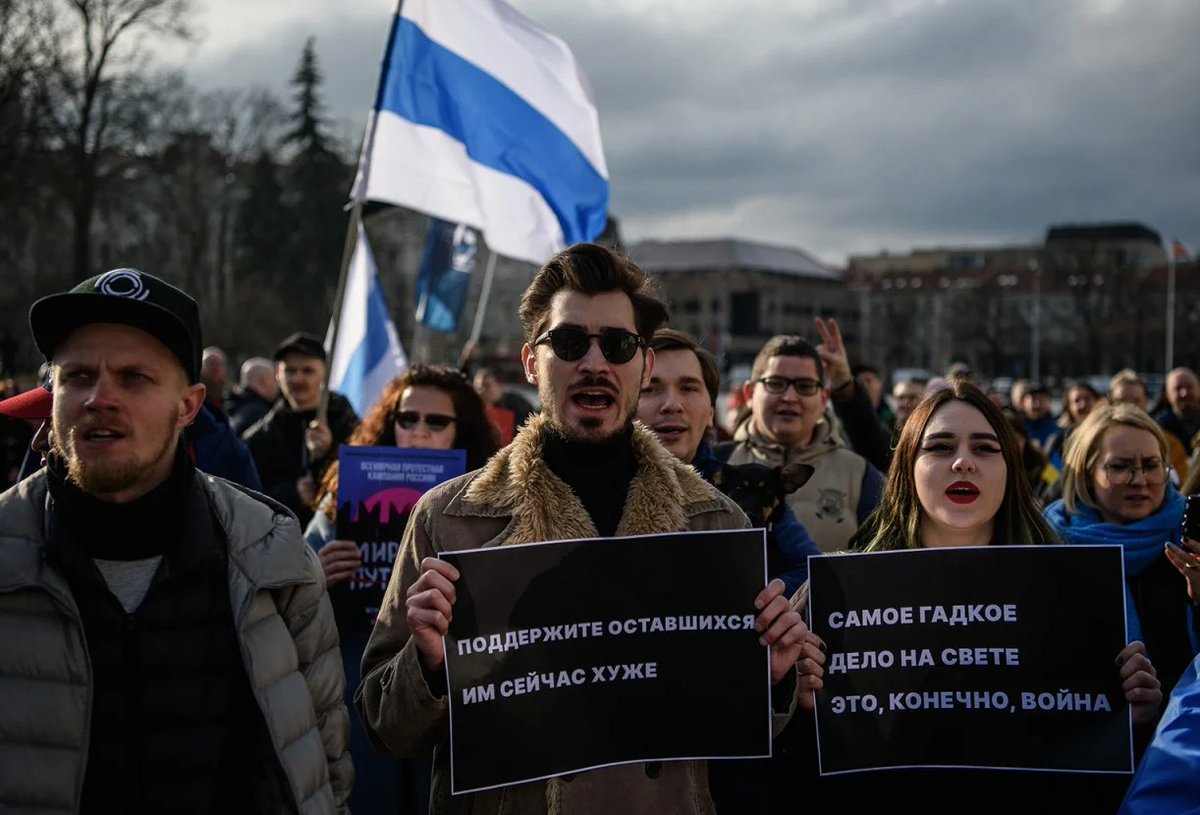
x,y
1035,405
290,445
166,643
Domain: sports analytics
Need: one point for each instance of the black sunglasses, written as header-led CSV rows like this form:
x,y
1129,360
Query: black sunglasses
x,y
570,343
437,422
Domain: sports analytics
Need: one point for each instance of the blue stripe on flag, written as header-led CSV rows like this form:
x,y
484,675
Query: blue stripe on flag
x,y
431,85
369,353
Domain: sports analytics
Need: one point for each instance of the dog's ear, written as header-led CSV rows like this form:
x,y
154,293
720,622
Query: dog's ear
x,y
794,476
719,476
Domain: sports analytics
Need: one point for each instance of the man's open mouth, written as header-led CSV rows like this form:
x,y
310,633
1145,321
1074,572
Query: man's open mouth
x,y
101,434
593,399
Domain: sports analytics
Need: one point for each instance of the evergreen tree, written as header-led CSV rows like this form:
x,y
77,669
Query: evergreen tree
x,y
264,228
308,120
317,188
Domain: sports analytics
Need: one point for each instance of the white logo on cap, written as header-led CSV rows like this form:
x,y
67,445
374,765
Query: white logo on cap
x,y
123,283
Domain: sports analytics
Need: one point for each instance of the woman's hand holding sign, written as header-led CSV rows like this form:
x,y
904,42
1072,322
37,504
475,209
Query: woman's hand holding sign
x,y
781,629
430,607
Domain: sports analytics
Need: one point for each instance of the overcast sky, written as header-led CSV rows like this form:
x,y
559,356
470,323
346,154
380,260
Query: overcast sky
x,y
840,126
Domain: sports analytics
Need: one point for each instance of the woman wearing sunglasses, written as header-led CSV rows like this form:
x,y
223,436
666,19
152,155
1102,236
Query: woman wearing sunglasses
x,y
1116,490
428,407
956,443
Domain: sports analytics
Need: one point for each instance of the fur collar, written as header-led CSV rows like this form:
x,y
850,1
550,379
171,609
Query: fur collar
x,y
664,494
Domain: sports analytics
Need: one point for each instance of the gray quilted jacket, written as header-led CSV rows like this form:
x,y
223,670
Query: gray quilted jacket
x,y
284,623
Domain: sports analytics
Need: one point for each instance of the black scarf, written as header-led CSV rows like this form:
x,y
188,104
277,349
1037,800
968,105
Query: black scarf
x,y
138,529
598,472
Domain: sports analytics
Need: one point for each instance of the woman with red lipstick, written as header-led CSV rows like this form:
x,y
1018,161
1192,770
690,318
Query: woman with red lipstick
x,y
1116,489
957,479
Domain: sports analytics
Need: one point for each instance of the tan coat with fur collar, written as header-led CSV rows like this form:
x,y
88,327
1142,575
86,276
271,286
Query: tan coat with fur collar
x,y
515,498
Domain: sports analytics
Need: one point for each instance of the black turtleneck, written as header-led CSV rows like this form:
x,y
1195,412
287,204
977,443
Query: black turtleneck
x,y
138,529
598,472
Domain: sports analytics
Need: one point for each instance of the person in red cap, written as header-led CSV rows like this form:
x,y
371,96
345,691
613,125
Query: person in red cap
x,y
32,406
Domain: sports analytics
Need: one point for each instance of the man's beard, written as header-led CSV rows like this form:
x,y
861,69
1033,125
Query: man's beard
x,y
589,430
109,477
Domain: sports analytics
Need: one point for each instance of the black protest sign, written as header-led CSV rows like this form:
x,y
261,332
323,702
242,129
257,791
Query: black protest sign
x,y
574,655
991,656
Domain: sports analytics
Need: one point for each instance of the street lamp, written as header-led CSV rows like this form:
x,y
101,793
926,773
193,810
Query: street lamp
x,y
1035,350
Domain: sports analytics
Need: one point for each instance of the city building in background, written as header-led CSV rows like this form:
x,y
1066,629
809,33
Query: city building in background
x,y
1088,299
735,294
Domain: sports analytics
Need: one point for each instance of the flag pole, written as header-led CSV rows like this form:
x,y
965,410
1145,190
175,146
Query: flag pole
x,y
352,227
358,193
485,294
1170,309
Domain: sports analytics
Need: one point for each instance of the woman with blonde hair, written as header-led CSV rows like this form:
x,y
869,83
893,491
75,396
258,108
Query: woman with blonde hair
x,y
1116,489
957,479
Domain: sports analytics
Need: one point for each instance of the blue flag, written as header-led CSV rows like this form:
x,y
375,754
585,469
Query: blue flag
x,y
445,275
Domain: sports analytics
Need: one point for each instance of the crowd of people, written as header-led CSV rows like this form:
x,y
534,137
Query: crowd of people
x,y
178,631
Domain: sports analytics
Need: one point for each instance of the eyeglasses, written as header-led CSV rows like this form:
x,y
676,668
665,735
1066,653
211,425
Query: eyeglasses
x,y
436,422
571,344
780,384
1121,473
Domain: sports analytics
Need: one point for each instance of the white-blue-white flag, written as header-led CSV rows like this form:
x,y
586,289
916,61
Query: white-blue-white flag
x,y
484,119
368,353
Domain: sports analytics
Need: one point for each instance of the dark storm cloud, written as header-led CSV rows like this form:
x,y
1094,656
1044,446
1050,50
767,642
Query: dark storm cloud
x,y
859,124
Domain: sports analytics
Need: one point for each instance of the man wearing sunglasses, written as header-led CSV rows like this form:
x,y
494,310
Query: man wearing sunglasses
x,y
581,469
167,640
788,400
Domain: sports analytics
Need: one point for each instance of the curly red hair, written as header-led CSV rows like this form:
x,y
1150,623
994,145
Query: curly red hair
x,y
472,430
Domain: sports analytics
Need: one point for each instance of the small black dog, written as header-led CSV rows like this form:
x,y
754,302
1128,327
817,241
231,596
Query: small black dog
x,y
761,490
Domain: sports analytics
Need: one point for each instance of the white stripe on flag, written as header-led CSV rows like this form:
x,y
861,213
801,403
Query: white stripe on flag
x,y
368,353
483,119
535,64
428,170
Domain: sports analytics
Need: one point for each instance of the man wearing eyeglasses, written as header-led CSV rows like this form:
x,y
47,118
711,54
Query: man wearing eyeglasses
x,y
581,469
788,398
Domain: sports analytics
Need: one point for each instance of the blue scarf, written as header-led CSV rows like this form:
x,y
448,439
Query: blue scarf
x,y
1142,542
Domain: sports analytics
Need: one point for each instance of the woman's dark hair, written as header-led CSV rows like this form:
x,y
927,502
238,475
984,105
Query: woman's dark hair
x,y
472,430
896,523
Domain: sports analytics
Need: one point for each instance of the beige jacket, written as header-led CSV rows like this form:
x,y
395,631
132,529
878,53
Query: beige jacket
x,y
827,504
284,622
515,498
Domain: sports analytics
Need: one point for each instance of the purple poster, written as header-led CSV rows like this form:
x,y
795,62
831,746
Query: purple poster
x,y
377,488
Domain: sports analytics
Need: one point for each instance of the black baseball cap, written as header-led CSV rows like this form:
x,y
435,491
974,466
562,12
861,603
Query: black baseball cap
x,y
303,344
127,297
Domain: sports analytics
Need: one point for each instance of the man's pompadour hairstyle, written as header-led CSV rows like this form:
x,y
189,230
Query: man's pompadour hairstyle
x,y
591,269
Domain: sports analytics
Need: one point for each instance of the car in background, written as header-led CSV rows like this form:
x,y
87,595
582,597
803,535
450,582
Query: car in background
x,y
916,374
